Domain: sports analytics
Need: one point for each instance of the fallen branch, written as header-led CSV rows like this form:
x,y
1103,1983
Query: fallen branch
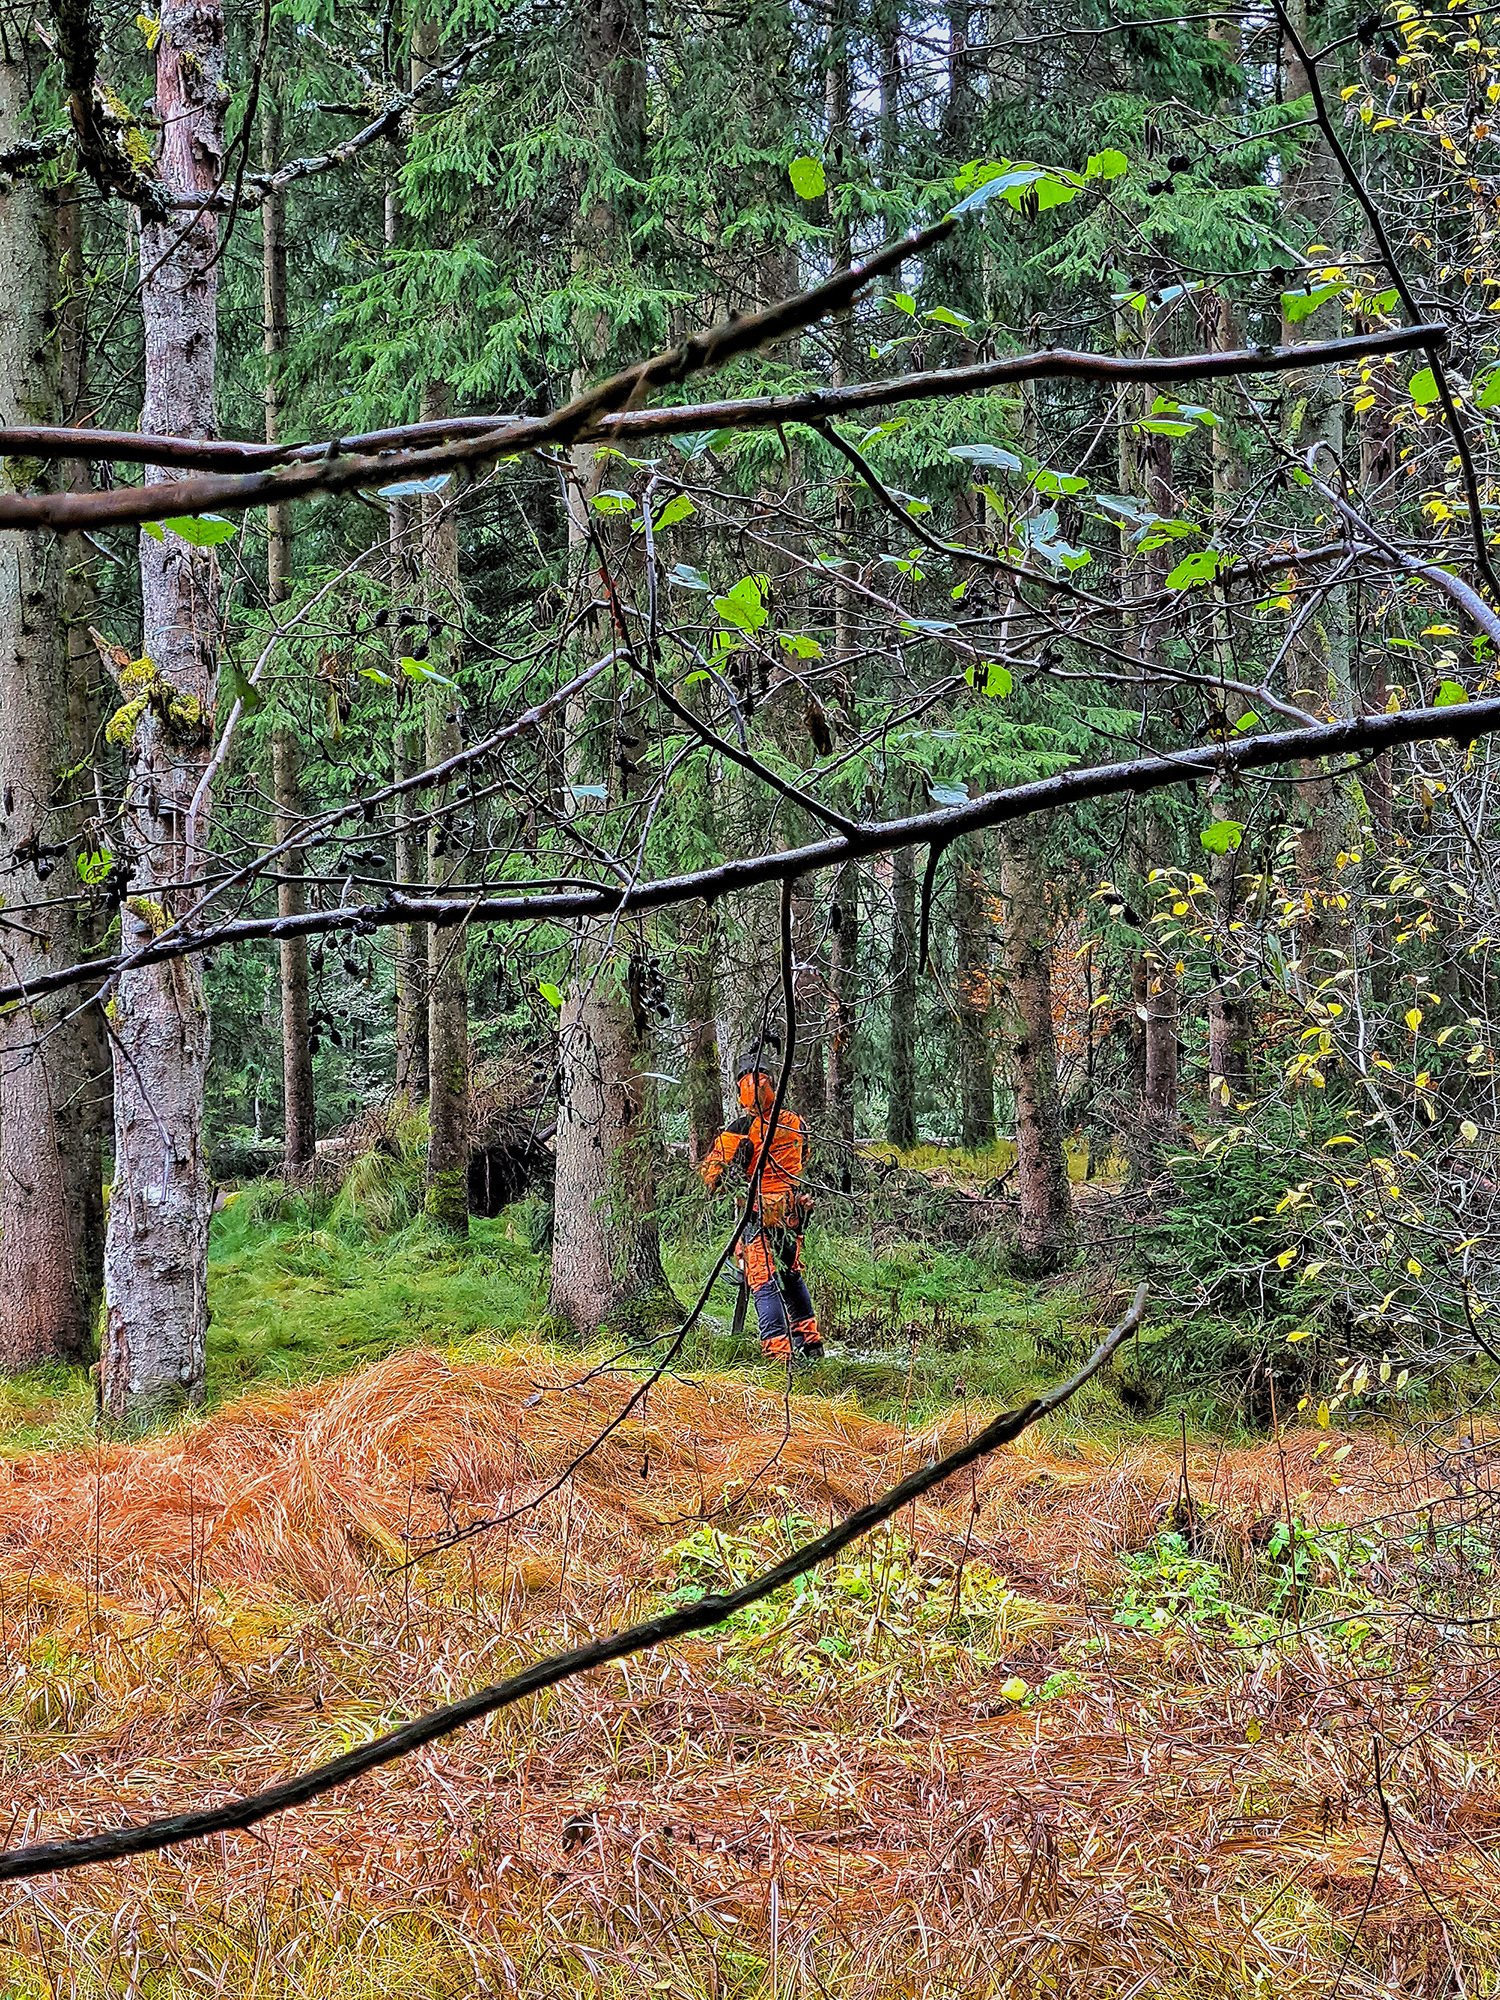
x,y
50,1856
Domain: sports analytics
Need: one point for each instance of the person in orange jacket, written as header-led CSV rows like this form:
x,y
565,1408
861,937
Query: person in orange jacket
x,y
770,1252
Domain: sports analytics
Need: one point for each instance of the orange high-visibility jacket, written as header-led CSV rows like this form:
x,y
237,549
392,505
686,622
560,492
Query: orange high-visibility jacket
x,y
741,1144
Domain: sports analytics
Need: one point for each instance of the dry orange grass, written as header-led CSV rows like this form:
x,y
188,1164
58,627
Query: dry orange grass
x,y
195,1615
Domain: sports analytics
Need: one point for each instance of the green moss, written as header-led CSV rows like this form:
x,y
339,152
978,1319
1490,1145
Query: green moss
x,y
149,913
122,725
447,1201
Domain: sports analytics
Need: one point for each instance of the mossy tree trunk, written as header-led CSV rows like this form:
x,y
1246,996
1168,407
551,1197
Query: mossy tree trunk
x,y
298,1104
156,1252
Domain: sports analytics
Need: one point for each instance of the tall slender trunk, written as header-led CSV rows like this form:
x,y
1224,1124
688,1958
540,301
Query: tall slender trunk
x,y
973,993
606,1258
447,842
1044,1195
901,1054
411,855
705,1096
93,1108
156,1254
843,1013
286,754
45,1312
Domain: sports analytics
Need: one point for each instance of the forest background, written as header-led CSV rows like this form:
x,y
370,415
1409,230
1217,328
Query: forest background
x,y
425,770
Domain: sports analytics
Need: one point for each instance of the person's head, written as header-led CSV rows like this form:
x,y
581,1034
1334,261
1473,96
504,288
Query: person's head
x,y
757,1090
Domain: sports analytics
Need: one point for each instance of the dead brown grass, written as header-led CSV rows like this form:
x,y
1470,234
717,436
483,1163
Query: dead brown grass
x,y
197,1614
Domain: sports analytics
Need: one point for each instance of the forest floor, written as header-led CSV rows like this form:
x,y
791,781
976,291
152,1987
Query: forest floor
x,y
1058,1731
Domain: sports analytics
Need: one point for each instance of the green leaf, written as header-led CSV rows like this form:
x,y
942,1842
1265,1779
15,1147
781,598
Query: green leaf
x,y
1247,721
1106,166
1167,427
1423,386
1055,483
610,500
945,316
1020,185
808,178
1297,306
374,674
93,865
418,670
1449,693
745,605
998,681
949,795
203,531
903,302
1200,567
799,644
551,994
677,509
1487,389
689,578
1223,836
994,456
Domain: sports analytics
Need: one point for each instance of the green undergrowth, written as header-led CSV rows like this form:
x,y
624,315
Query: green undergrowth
x,y
299,1291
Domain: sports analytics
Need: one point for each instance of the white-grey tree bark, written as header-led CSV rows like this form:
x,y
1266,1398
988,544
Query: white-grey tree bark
x,y
156,1253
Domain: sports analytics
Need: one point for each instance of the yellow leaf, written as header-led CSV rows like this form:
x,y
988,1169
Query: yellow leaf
x,y
1301,1333
1322,1418
1414,1018
1341,1139
1310,1271
1015,1689
1342,1453
1468,1131
1414,1267
1285,1258
1253,1729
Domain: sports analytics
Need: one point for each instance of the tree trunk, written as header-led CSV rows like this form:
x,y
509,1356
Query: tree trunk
x,y
901,1061
156,1255
705,1097
1044,1237
843,1016
92,1113
411,856
606,1259
973,993
46,1313
447,985
298,1104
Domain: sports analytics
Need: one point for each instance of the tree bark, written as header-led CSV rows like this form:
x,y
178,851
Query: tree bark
x,y
298,1103
46,1305
411,856
901,1067
93,1109
156,1254
447,985
705,1097
606,1257
843,1016
1044,1238
973,992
